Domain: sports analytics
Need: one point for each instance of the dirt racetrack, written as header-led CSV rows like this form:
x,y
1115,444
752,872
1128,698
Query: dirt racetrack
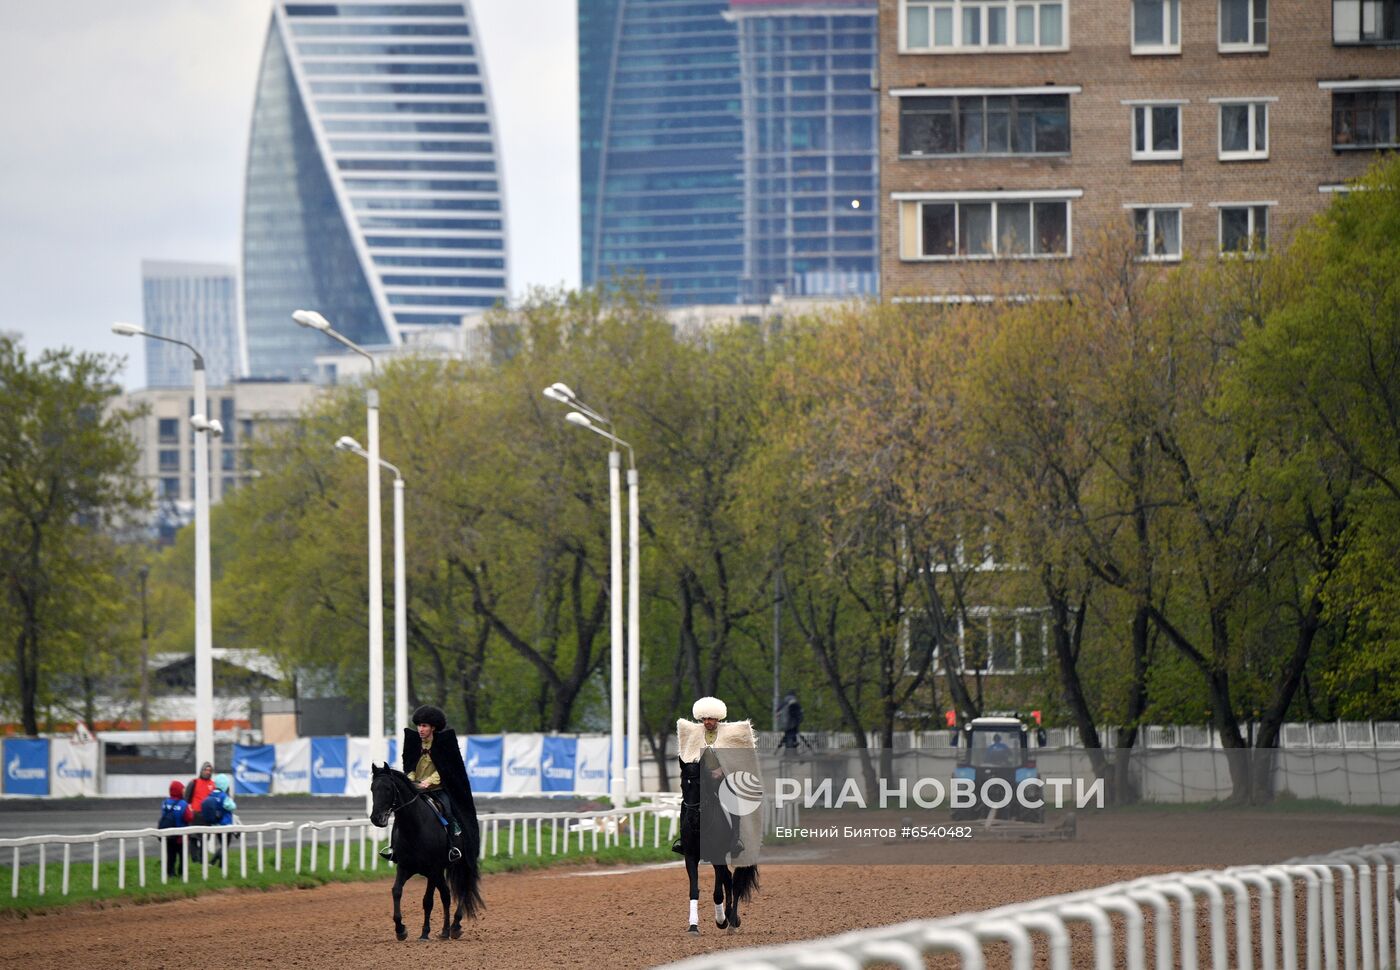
x,y
607,919
535,920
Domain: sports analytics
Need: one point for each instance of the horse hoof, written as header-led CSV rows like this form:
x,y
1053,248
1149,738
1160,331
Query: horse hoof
x,y
401,934
444,935
694,930
456,932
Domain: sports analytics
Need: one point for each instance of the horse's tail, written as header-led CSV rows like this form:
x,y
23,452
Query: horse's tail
x,y
745,882
465,877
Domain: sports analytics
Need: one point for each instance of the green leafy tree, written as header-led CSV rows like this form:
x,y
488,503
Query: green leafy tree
x,y
66,470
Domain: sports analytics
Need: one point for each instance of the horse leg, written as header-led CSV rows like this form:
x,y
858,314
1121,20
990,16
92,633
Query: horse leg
x,y
428,908
721,919
399,879
731,902
692,871
446,906
461,908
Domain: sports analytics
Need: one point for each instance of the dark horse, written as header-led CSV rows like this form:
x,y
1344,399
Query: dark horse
x,y
420,849
707,833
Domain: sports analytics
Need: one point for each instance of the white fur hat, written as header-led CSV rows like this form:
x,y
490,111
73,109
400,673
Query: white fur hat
x,y
709,707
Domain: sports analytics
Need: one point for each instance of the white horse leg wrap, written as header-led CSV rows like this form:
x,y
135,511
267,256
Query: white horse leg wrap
x,y
694,911
719,912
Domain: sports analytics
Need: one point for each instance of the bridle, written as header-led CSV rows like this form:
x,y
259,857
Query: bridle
x,y
394,806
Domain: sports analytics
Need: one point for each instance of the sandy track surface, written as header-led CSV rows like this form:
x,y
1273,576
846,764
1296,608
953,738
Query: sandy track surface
x,y
536,920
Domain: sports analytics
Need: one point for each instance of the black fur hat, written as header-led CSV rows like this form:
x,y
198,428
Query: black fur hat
x,y
427,714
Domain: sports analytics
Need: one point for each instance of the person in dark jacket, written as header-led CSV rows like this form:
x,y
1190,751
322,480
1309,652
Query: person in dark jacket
x,y
175,813
433,761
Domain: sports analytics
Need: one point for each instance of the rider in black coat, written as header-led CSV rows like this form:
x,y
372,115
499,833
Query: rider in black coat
x,y
448,781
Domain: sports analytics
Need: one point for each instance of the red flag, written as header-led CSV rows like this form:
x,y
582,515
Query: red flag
x,y
952,718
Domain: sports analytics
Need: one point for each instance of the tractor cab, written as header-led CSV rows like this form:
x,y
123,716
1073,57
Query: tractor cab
x,y
997,747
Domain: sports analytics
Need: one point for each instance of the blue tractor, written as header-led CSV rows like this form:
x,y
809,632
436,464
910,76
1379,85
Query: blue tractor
x,y
998,747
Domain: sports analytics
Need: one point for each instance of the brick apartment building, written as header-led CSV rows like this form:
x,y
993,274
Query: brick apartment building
x,y
1011,129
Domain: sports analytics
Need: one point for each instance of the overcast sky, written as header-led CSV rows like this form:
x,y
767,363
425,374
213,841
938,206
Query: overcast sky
x,y
125,130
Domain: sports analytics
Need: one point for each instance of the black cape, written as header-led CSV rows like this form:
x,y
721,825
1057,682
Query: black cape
x,y
447,758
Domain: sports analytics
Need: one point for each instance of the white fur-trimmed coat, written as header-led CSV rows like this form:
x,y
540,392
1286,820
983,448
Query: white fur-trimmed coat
x,y
691,737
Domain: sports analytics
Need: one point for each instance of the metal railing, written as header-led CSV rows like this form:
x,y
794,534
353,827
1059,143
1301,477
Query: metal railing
x,y
610,827
1269,932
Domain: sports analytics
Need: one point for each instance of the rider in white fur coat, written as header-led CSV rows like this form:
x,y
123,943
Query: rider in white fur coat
x,y
721,817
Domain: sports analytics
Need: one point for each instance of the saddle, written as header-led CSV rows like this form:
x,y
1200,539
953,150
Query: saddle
x,y
436,805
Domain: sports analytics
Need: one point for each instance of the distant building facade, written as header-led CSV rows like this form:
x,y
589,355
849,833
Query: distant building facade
x,y
660,143
196,303
165,440
811,147
1011,128
373,190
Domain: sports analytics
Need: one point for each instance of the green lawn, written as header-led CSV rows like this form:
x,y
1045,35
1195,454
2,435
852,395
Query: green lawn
x,y
313,872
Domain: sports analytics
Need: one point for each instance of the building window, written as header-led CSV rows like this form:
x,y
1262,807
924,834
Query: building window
x,y
170,488
1364,119
942,26
1244,24
979,227
169,460
1016,124
1004,641
1156,26
1366,21
1244,130
1244,228
1156,131
1158,233
168,430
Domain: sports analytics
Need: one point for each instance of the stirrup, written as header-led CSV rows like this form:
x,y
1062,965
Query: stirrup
x,y
387,853
453,854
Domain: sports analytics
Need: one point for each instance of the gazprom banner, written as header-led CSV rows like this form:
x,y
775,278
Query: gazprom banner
x,y
484,762
291,774
591,766
557,759
522,766
73,768
252,768
26,766
328,765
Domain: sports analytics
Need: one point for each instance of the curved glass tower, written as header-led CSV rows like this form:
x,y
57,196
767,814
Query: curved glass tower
x,y
373,191
660,143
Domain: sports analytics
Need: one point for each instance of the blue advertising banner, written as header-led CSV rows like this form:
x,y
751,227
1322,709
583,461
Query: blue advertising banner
x,y
328,766
557,764
484,762
253,767
26,766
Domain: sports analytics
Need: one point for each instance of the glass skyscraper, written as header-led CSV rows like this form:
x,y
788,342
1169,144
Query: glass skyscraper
x,y
811,166
373,189
660,146
196,303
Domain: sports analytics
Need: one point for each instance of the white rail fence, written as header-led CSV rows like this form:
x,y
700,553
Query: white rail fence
x,y
1284,916
522,833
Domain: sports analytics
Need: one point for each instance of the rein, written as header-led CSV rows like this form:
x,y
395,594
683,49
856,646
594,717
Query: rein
x,y
394,805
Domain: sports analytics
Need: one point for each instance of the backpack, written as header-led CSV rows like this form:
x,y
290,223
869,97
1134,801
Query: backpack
x,y
211,810
172,814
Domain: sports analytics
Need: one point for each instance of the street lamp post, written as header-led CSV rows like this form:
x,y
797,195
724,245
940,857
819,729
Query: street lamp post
x,y
400,595
144,572
585,417
203,614
314,321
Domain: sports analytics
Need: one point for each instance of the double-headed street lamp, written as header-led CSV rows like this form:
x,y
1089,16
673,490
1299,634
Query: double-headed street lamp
x,y
203,614
314,321
585,417
400,596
